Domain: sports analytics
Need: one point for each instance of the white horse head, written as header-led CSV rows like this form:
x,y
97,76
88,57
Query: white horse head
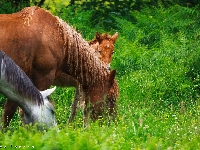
x,y
44,113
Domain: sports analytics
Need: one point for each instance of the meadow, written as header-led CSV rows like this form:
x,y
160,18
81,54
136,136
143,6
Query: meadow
x,y
157,57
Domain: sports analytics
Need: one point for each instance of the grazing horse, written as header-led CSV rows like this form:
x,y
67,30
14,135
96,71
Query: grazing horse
x,y
16,86
104,47
44,46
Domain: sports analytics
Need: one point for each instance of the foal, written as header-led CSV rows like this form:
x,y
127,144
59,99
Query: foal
x,y
16,86
104,46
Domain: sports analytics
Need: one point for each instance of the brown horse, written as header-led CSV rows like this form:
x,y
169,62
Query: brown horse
x,y
104,47
44,46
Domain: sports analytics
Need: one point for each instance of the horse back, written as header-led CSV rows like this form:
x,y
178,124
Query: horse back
x,y
32,38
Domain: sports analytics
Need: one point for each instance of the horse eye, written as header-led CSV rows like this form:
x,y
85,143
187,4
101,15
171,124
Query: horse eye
x,y
113,52
100,51
53,111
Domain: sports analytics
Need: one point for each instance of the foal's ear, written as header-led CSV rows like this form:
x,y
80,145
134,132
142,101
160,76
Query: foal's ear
x,y
114,37
112,76
47,92
98,36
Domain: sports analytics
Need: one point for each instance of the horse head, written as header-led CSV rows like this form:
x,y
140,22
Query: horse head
x,y
100,97
104,46
43,114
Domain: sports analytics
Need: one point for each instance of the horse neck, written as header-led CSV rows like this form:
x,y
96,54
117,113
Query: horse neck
x,y
16,86
81,61
10,92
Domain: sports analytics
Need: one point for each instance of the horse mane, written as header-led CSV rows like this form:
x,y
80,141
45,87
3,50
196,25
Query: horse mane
x,y
81,58
21,83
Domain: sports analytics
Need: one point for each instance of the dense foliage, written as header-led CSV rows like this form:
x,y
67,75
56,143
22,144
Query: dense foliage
x,y
157,57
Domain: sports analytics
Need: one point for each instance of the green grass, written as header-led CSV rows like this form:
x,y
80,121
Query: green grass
x,y
157,57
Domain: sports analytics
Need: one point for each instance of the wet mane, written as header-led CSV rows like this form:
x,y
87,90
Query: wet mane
x,y
81,58
12,74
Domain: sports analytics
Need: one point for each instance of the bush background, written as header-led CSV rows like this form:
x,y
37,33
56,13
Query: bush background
x,y
157,57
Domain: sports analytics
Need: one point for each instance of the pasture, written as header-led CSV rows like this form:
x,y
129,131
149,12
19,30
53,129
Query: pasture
x,y
157,57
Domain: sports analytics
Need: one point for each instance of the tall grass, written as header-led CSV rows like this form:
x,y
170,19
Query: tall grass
x,y
157,61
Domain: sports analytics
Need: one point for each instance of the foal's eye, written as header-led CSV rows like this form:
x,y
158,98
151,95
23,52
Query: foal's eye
x,y
113,52
100,51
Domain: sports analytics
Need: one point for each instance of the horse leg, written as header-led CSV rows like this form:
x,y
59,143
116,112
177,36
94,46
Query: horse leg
x,y
79,97
111,107
74,105
86,112
9,111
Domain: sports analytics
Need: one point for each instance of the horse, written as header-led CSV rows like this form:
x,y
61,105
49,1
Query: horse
x,y
15,85
46,46
103,44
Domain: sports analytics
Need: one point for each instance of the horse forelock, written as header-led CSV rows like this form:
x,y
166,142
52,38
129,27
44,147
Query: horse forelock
x,y
81,58
106,36
18,79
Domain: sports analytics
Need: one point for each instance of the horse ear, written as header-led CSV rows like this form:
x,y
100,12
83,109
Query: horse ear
x,y
47,92
98,36
112,76
114,37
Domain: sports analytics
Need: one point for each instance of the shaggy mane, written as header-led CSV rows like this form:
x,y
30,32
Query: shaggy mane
x,y
81,58
11,73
